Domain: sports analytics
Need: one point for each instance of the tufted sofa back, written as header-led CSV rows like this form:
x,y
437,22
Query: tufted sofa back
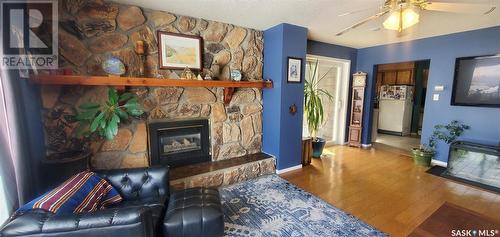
x,y
139,183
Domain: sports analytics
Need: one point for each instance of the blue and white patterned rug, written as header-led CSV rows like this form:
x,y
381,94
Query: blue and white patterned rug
x,y
271,206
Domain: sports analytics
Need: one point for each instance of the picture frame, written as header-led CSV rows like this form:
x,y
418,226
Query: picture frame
x,y
178,51
476,80
294,70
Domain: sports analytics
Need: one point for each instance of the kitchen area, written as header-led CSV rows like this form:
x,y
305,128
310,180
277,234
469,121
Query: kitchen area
x,y
399,105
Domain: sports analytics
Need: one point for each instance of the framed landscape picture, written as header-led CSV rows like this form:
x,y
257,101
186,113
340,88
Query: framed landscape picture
x,y
178,51
294,70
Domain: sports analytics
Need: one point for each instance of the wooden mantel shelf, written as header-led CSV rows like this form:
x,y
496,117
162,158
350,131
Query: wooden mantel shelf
x,y
229,86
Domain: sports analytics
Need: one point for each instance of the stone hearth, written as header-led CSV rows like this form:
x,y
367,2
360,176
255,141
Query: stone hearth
x,y
224,172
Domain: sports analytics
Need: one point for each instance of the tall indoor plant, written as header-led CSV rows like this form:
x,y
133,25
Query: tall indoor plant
x,y
447,133
313,106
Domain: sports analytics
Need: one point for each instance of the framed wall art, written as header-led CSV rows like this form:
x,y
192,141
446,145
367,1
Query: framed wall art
x,y
178,51
294,70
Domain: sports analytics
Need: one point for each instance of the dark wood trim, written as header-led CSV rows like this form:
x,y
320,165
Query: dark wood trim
x,y
200,41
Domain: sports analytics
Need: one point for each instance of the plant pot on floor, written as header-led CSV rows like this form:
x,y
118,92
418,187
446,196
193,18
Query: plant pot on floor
x,y
318,145
421,157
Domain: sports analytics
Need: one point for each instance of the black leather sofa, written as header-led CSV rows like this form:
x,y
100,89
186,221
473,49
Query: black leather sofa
x,y
145,193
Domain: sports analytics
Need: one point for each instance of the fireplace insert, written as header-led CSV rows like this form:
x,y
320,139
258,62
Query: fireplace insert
x,y
179,142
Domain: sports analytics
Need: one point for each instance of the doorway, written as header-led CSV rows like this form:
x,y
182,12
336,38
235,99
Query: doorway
x,y
333,75
399,104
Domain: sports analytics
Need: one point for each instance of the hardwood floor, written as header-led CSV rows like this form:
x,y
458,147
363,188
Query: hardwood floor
x,y
385,189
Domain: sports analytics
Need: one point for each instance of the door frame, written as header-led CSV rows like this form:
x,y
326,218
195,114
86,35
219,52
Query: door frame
x,y
341,96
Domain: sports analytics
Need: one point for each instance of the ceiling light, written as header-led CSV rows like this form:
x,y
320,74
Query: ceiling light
x,y
401,19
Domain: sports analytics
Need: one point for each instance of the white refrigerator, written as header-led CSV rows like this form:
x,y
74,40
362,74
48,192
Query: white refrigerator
x,y
395,109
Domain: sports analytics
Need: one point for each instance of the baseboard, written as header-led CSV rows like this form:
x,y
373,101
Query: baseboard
x,y
366,145
439,163
288,169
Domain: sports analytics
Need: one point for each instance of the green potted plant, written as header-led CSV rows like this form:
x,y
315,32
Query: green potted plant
x,y
103,119
447,133
313,106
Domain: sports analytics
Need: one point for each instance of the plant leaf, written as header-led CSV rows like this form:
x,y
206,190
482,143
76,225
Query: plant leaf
x,y
87,115
89,105
112,95
108,133
125,96
113,124
122,114
96,122
135,111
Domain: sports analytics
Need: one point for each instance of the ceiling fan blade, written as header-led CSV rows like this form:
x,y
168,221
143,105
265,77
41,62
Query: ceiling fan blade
x,y
469,8
362,22
356,11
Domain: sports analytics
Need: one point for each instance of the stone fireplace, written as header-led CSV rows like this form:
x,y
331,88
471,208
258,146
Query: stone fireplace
x,y
91,31
179,142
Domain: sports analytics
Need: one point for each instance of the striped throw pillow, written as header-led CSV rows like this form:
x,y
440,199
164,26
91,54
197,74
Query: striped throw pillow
x,y
83,192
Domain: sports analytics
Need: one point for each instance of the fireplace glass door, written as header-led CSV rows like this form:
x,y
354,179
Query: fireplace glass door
x,y
179,142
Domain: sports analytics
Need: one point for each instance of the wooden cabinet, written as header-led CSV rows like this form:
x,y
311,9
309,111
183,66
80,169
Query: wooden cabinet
x,y
355,136
396,74
404,77
390,78
357,101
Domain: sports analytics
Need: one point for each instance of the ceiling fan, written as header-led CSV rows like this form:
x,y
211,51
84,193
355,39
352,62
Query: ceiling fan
x,y
404,13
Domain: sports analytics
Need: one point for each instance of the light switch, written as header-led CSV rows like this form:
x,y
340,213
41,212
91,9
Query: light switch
x,y
439,88
435,97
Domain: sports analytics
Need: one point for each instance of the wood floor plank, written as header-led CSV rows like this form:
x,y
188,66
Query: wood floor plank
x,y
386,189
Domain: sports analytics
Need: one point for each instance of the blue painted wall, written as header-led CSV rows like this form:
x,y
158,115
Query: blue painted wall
x,y
336,51
442,51
282,130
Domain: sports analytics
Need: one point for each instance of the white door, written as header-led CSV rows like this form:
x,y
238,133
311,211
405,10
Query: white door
x,y
334,78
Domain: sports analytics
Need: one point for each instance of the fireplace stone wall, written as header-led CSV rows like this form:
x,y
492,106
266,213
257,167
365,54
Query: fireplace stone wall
x,y
90,31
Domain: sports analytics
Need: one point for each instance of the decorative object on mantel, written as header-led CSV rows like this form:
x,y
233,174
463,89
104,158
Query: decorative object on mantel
x,y
103,119
178,51
207,77
199,77
313,106
113,66
187,74
235,75
139,50
173,75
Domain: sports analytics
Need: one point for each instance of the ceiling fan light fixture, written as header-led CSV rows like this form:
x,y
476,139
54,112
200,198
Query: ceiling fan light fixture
x,y
392,22
410,18
401,19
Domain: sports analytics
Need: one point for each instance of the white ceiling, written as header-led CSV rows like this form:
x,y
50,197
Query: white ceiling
x,y
322,20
